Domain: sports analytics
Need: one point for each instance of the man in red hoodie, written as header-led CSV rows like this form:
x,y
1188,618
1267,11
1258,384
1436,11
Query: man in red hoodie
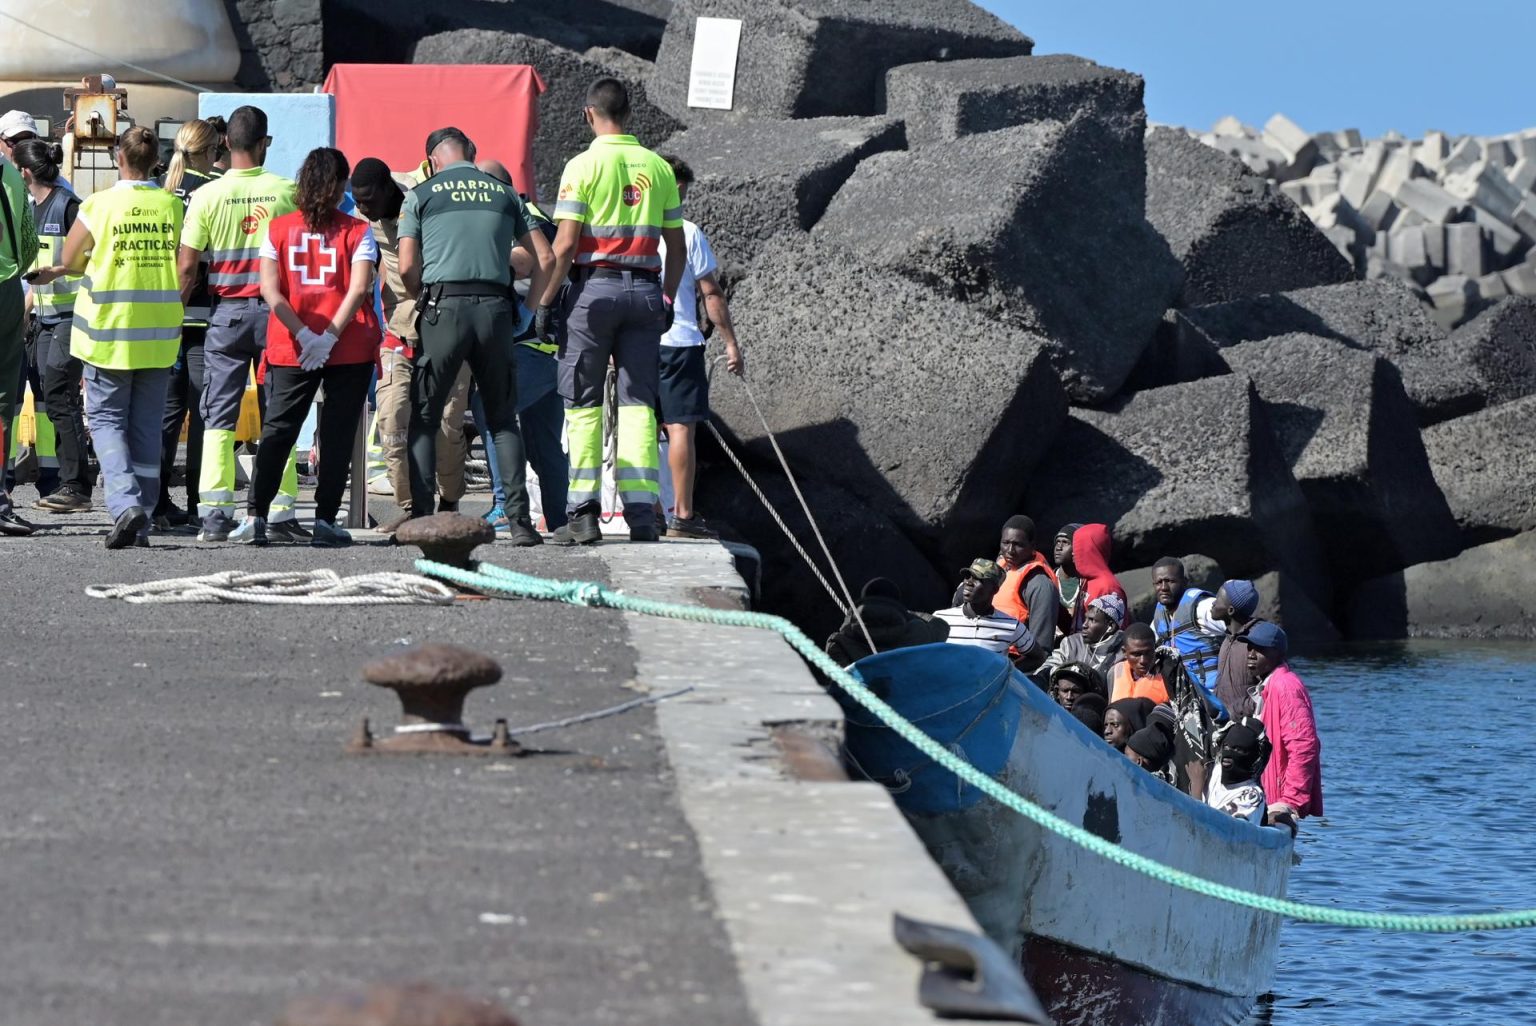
x,y
1090,558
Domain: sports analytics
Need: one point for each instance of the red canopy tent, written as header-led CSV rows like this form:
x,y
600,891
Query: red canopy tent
x,y
387,111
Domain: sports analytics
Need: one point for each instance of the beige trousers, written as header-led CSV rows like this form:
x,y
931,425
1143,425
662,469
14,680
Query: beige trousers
x,y
393,398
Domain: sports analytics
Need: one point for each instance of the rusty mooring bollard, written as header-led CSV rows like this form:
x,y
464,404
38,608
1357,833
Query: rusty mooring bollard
x,y
447,537
384,1004
432,682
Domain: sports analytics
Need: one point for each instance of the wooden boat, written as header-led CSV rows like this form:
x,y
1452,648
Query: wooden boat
x,y
1101,944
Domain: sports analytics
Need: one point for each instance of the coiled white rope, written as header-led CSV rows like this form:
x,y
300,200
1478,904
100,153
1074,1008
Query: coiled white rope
x,y
285,588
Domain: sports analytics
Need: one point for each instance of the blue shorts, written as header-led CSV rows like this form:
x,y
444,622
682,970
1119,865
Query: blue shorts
x,y
684,393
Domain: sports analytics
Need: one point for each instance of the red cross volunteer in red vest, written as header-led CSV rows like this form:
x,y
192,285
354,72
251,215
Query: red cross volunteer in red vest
x,y
317,272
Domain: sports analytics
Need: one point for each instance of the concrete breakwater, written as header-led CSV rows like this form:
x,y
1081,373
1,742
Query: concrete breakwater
x,y
1453,216
971,283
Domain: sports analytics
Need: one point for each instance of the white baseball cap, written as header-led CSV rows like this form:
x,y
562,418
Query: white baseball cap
x,y
15,122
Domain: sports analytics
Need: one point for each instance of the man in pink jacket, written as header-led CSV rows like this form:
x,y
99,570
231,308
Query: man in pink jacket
x,y
1293,779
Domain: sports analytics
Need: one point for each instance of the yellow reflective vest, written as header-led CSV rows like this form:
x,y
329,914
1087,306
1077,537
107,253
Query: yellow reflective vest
x,y
128,310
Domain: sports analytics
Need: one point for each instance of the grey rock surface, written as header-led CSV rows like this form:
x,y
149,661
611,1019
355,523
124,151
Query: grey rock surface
x,y
1486,592
1204,572
1380,316
929,412
1485,463
1039,226
944,100
1499,345
1180,352
819,58
1234,234
1178,468
1348,432
562,133
758,179
863,540
1284,599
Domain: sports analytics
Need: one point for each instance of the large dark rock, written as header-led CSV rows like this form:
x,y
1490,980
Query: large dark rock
x,y
1348,432
387,31
1179,352
1234,233
1178,469
1380,316
1039,226
944,100
820,58
757,179
1283,599
925,409
1485,463
562,133
1486,592
863,541
1499,345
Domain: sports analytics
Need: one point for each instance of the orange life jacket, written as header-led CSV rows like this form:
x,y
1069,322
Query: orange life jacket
x,y
1125,686
1010,597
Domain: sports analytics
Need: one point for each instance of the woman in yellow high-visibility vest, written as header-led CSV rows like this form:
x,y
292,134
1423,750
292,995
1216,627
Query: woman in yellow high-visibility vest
x,y
127,327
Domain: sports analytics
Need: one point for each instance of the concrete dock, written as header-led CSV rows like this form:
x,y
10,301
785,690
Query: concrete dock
x,y
184,839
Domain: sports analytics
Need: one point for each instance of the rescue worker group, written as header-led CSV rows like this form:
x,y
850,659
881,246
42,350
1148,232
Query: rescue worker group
x,y
140,315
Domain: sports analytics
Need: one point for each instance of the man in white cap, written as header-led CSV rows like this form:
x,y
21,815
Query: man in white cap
x,y
16,126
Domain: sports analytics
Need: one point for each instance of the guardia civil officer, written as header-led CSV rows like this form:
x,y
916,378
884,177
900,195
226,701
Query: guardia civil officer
x,y
617,201
457,230
226,223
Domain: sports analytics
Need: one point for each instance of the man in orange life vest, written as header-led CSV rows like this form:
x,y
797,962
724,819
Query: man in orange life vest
x,y
1029,592
1132,677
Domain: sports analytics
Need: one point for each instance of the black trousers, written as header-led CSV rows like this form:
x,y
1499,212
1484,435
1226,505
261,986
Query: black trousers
x,y
183,399
480,330
290,391
64,404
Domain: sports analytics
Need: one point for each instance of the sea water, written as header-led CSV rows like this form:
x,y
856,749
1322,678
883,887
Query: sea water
x,y
1429,776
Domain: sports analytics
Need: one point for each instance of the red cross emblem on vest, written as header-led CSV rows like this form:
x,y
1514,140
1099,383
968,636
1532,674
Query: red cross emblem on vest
x,y
313,259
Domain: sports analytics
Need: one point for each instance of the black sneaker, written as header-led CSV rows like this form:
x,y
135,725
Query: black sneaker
x,y
289,531
522,534
126,529
689,527
65,500
173,516
444,506
141,541
584,527
11,524
644,533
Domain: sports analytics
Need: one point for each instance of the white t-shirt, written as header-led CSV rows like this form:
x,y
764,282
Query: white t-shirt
x,y
1245,801
995,632
685,312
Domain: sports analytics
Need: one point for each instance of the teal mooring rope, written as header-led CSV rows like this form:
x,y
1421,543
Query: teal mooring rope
x,y
587,593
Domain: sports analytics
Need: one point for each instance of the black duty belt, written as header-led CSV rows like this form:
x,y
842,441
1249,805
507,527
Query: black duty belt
x,y
582,273
448,289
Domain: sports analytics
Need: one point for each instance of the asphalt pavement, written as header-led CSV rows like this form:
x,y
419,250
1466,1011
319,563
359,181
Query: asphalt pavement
x,y
184,841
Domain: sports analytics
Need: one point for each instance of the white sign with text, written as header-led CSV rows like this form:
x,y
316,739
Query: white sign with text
x,y
712,78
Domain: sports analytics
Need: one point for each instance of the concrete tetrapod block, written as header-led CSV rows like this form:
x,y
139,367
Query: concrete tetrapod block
x,y
1486,592
387,31
1233,234
1485,463
1040,226
944,100
1350,436
1283,599
1499,345
864,543
1179,352
925,409
1381,316
820,58
1171,469
757,179
562,134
